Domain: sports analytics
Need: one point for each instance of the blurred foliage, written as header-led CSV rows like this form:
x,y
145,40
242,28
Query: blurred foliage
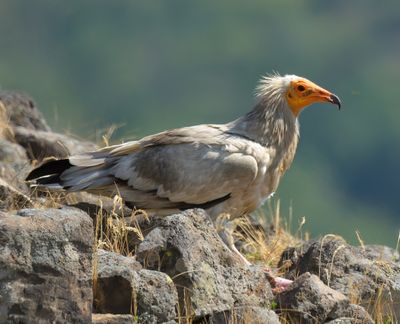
x,y
150,66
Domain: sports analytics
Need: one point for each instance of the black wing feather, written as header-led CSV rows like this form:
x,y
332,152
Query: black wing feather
x,y
49,169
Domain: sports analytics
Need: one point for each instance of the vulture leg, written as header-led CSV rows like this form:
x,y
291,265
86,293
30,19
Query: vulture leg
x,y
225,231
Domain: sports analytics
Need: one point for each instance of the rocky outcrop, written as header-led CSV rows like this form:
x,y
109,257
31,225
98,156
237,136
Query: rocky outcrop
x,y
244,315
366,275
112,319
95,205
25,136
14,164
45,266
123,287
42,144
209,278
29,129
21,110
11,198
309,300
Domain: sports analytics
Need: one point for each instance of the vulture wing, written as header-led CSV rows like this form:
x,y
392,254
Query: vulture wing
x,y
183,168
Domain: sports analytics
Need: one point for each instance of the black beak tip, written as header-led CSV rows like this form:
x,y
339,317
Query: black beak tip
x,y
335,100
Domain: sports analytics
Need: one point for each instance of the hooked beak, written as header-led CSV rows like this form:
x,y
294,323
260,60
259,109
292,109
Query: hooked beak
x,y
334,99
319,94
303,93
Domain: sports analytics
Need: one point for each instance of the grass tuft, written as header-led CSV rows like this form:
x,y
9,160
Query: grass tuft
x,y
265,242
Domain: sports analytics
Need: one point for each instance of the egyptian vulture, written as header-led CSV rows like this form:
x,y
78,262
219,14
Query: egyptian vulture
x,y
223,168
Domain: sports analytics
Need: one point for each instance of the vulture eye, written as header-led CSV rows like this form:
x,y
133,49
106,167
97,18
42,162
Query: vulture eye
x,y
301,88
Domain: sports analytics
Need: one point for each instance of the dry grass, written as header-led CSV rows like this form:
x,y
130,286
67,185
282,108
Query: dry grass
x,y
382,307
112,233
185,312
113,230
266,243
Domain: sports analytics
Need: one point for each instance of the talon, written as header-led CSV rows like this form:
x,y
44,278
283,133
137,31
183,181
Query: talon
x,y
278,284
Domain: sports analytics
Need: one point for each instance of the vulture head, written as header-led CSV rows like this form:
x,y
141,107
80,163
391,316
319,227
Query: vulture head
x,y
297,91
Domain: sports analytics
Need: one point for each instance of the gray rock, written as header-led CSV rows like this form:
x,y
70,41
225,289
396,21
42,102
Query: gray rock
x,y
11,198
42,144
365,275
14,164
309,300
209,278
28,128
12,153
357,313
112,319
46,266
343,320
93,204
352,320
21,110
244,315
123,287
381,252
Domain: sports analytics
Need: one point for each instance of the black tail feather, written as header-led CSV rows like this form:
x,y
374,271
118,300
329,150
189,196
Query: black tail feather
x,y
46,180
51,170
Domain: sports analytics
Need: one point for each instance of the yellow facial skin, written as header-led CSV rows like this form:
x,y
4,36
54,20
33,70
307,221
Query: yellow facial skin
x,y
303,92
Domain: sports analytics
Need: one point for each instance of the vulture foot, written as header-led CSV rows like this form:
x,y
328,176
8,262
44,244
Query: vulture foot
x,y
278,284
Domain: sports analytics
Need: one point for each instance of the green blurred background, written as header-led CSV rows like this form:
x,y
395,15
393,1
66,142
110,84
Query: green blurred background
x,y
153,65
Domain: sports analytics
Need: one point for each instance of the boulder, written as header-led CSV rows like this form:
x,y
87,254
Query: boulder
x,y
12,198
381,252
123,287
42,144
14,164
253,315
357,313
26,126
309,300
21,110
368,276
12,153
344,320
210,279
46,266
95,204
112,319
